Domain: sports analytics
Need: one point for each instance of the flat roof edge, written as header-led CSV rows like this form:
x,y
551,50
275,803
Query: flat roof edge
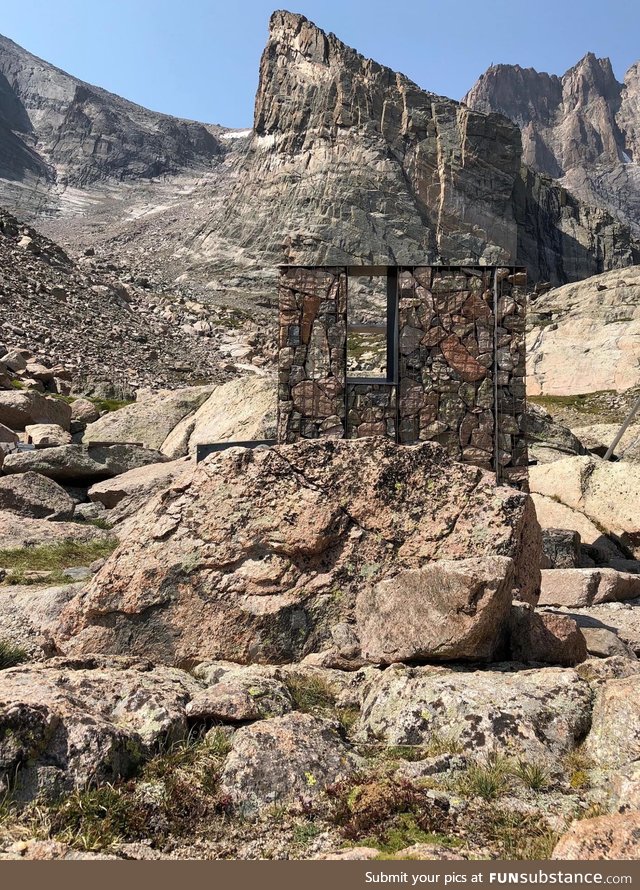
x,y
364,269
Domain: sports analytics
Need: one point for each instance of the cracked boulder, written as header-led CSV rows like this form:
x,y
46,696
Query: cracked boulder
x,y
257,554
75,463
614,740
606,493
533,713
36,496
615,836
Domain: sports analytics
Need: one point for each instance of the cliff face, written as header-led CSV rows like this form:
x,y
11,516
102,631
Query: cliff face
x,y
582,128
55,129
351,162
348,162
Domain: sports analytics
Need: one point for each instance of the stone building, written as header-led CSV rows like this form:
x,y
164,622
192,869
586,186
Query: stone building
x,y
413,353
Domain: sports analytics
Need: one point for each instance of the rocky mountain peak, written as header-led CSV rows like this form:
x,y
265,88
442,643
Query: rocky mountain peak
x,y
581,128
330,85
353,162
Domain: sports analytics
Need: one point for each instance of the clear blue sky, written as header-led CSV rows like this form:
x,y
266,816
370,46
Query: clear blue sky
x,y
199,58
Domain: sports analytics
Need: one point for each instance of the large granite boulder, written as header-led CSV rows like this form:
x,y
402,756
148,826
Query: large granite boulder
x,y
258,553
587,587
29,614
545,637
27,532
554,515
138,485
606,493
19,409
7,436
150,419
614,739
71,463
36,496
592,344
485,710
46,435
66,723
448,610
549,440
621,619
237,411
616,836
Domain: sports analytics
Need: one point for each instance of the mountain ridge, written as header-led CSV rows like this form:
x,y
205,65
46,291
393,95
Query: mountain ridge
x,y
348,161
582,127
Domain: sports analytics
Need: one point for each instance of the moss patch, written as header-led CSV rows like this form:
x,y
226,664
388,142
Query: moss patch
x,y
52,558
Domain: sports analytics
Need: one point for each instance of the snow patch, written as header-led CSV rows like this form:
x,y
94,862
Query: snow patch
x,y
235,134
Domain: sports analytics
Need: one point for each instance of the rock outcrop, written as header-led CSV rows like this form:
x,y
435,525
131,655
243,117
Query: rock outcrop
x,y
260,552
614,739
237,411
150,419
36,496
449,610
60,129
29,615
603,837
582,128
587,587
481,711
286,760
606,493
67,724
585,337
82,462
26,532
20,409
546,638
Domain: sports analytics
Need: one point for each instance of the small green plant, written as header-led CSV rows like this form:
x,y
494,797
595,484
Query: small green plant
x,y
17,384
518,836
109,405
305,832
311,693
489,779
97,818
532,775
193,753
99,522
577,765
347,717
11,655
404,833
385,812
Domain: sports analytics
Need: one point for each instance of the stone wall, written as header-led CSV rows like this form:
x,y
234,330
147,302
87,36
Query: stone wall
x,y
460,371
312,356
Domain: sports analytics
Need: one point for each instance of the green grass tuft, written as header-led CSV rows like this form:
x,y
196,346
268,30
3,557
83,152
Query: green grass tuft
x,y
488,779
52,557
11,655
532,775
311,693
